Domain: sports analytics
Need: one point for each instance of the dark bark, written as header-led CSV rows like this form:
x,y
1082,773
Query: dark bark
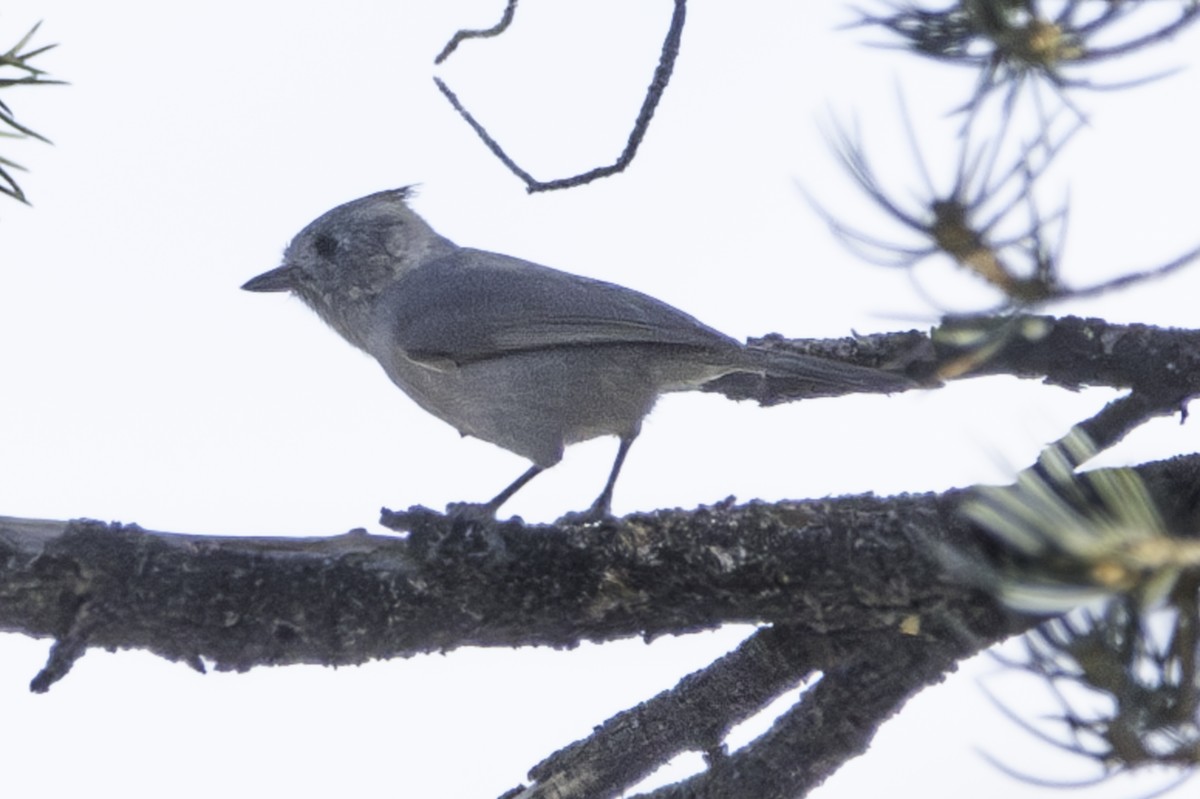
x,y
859,563
855,589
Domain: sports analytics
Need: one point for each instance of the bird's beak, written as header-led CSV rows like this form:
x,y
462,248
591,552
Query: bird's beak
x,y
281,278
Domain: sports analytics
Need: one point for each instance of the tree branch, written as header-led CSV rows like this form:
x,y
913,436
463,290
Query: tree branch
x,y
243,602
463,34
696,715
859,589
240,602
654,93
831,723
1162,364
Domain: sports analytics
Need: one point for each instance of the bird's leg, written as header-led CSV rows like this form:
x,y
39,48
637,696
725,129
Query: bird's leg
x,y
487,510
498,500
602,507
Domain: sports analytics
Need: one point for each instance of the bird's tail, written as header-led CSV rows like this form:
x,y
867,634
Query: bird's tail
x,y
823,373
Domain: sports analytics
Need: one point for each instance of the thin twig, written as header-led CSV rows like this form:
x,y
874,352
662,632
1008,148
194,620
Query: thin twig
x,y
658,85
484,33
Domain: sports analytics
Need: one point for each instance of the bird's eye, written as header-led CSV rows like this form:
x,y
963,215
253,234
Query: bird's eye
x,y
325,245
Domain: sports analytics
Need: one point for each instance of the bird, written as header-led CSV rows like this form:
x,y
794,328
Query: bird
x,y
524,356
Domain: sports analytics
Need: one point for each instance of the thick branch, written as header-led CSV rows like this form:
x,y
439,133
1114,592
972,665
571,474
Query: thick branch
x,y
696,715
845,581
848,564
241,602
1163,364
842,581
866,678
833,722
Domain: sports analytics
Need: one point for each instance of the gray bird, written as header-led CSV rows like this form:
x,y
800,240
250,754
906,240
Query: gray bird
x,y
524,356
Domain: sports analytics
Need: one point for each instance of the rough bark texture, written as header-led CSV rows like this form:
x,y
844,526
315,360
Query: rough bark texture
x,y
856,589
856,564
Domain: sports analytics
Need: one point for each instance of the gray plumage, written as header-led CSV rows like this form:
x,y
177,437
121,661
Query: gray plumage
x,y
524,356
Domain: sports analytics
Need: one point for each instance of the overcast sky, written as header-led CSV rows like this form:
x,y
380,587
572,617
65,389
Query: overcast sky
x,y
140,385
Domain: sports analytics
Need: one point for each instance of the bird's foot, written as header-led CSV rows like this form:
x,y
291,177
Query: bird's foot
x,y
472,511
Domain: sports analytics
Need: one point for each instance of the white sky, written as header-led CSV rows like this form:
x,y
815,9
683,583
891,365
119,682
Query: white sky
x,y
139,383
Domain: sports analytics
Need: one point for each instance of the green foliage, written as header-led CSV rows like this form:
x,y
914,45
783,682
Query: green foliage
x,y
15,70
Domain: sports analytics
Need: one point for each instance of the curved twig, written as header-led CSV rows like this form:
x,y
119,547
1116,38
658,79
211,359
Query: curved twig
x,y
658,85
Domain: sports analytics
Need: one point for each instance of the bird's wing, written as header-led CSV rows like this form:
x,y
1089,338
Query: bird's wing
x,y
474,305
